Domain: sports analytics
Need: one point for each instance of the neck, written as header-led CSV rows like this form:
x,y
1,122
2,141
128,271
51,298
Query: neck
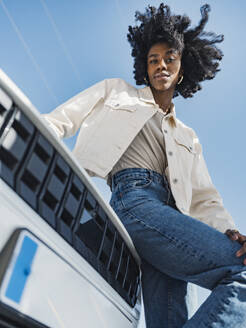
x,y
163,98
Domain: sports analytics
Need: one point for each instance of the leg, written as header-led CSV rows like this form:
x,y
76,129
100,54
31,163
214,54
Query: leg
x,y
184,249
168,302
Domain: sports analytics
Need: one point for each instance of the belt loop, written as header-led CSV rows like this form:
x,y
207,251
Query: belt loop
x,y
150,175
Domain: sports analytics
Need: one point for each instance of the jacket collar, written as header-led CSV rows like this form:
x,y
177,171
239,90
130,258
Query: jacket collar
x,y
146,95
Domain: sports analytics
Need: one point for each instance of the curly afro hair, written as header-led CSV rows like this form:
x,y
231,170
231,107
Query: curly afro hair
x,y
200,57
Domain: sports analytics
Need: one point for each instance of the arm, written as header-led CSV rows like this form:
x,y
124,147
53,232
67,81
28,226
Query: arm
x,y
67,118
207,203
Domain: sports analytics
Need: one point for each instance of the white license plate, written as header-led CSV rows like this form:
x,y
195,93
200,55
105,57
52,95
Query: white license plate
x,y
19,269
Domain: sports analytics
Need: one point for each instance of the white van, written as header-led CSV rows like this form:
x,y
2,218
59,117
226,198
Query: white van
x,y
65,258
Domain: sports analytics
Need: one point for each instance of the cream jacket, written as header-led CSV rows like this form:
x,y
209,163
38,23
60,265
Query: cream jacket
x,y
109,115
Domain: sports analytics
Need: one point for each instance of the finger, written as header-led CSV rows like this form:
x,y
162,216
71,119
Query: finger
x,y
241,251
241,239
228,233
232,234
235,234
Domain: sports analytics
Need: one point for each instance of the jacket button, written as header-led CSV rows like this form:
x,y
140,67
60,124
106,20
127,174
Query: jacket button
x,y
117,105
170,153
165,131
175,180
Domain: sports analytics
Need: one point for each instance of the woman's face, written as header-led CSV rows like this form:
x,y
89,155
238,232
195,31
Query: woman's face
x,y
163,67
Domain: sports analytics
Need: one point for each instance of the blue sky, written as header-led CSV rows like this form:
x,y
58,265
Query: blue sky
x,y
53,49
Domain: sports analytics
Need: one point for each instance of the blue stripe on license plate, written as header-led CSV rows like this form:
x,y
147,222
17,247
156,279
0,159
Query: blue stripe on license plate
x,y
22,269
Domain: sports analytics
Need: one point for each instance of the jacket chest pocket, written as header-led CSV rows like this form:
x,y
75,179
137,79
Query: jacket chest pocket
x,y
185,144
185,151
120,105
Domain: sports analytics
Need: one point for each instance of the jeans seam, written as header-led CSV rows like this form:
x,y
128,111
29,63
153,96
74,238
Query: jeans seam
x,y
218,309
173,239
169,303
145,224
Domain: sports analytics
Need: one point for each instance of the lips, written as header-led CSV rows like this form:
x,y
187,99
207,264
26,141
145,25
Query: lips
x,y
161,76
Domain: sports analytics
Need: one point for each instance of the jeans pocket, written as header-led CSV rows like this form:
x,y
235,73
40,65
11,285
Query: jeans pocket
x,y
134,184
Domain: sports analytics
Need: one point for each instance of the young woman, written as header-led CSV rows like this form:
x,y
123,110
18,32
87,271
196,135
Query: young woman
x,y
161,189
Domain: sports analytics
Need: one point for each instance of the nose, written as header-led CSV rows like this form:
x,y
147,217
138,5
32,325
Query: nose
x,y
163,64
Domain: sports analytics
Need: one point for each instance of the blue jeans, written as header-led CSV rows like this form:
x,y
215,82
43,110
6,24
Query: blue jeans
x,y
176,249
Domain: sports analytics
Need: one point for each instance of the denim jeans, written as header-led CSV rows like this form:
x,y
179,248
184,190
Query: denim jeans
x,y
176,249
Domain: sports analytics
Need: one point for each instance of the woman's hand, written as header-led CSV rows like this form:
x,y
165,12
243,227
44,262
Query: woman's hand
x,y
235,235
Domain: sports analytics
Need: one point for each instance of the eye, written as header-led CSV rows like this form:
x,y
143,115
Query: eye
x,y
153,61
170,60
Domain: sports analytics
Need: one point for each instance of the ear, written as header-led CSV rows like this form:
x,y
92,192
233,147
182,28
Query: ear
x,y
181,71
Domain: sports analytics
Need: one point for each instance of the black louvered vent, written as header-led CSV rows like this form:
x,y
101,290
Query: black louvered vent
x,y
37,172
